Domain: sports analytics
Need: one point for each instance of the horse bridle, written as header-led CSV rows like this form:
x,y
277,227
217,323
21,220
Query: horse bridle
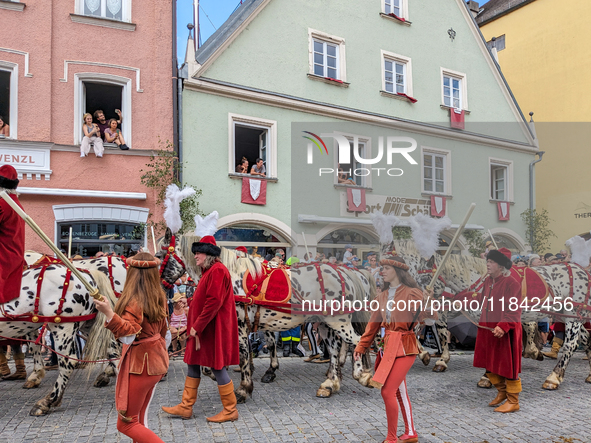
x,y
170,252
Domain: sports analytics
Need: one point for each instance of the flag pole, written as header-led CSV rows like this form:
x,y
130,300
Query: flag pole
x,y
94,292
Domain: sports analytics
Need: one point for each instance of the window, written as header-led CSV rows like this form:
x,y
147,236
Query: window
x,y
253,138
327,56
90,237
9,95
354,173
436,172
393,7
103,92
111,9
399,8
326,59
454,90
501,180
397,74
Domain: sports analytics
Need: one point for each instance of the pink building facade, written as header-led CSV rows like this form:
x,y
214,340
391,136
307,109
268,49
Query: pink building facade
x,y
58,60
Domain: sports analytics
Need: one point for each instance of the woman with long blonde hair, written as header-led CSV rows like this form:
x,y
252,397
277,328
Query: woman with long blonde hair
x,y
139,322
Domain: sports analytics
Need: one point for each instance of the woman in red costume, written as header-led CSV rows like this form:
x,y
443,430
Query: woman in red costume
x,y
399,310
213,333
139,322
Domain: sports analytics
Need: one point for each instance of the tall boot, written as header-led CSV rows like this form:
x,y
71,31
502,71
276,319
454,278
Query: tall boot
x,y
21,369
4,369
512,403
286,348
556,345
499,383
295,350
185,408
229,413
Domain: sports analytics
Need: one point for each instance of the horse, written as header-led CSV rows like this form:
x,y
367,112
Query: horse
x,y
565,282
306,282
49,296
106,273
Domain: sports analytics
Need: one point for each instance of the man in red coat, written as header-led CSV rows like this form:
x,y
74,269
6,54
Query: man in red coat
x,y
498,343
213,333
12,261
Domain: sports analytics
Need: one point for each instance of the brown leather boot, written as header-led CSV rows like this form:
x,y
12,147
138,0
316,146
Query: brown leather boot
x,y
21,370
4,369
229,413
499,383
512,403
556,345
185,408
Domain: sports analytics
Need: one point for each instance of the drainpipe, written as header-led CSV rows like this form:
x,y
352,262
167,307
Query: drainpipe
x,y
531,189
180,124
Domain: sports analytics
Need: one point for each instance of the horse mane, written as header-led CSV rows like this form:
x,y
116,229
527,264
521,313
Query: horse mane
x,y
186,241
406,247
463,265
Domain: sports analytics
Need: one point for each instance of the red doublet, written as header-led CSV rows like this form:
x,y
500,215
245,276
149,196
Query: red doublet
x,y
212,313
501,356
12,251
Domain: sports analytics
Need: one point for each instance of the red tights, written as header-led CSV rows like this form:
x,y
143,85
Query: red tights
x,y
141,388
394,394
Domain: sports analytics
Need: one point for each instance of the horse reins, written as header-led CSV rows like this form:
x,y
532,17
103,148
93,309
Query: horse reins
x,y
170,252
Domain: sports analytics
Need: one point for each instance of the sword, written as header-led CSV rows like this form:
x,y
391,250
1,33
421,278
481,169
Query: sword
x,y
94,292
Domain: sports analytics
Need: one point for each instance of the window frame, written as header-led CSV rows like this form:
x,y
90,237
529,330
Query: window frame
x,y
339,42
79,106
366,181
125,10
463,88
256,122
13,97
508,165
447,187
397,58
403,8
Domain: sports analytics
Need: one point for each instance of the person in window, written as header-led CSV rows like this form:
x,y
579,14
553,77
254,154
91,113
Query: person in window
x,y
102,122
343,178
4,128
114,135
242,167
258,168
91,135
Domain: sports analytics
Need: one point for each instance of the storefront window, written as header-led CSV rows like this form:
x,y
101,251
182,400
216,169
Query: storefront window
x,y
88,238
334,244
258,240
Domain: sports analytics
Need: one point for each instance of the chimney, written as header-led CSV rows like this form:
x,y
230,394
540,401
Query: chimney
x,y
474,7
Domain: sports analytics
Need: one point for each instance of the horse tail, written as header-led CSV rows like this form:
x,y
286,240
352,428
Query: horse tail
x,y
100,337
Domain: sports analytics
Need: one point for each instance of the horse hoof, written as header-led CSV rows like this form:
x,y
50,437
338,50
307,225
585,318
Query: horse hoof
x,y
101,381
241,399
426,359
486,384
540,357
550,386
30,385
439,368
38,411
268,378
588,379
323,392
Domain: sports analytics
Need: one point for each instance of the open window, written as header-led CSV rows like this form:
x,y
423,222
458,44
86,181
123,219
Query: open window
x,y
106,93
253,138
9,96
110,9
355,173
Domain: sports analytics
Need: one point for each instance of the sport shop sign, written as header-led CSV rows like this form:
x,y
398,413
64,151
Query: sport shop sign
x,y
388,204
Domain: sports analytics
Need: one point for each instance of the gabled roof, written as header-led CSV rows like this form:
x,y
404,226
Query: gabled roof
x,y
217,39
494,9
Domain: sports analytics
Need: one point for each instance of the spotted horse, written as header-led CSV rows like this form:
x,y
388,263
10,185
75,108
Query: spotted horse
x,y
51,297
310,284
567,299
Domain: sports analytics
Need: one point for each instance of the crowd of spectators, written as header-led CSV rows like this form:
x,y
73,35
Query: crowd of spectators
x,y
99,130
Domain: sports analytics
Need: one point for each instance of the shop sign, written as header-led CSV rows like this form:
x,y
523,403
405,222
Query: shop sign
x,y
402,207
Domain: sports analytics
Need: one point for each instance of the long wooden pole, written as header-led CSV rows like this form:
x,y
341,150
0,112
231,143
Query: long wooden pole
x,y
94,292
153,240
451,246
306,245
493,239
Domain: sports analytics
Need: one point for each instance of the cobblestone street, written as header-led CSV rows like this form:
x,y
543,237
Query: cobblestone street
x,y
447,407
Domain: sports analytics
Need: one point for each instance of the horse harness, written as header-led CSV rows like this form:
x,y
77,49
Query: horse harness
x,y
170,252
